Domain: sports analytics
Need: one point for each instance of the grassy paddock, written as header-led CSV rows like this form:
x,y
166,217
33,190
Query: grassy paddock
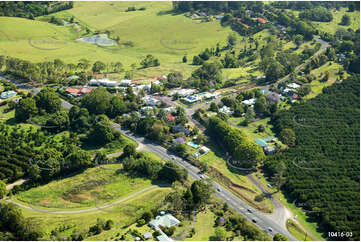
x,y
239,184
123,214
149,31
317,86
102,185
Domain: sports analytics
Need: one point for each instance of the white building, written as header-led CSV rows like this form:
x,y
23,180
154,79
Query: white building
x,y
182,92
225,110
192,99
150,101
102,82
145,87
208,95
249,102
125,83
293,85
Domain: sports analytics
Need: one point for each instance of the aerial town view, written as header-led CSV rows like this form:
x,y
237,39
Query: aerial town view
x,y
180,120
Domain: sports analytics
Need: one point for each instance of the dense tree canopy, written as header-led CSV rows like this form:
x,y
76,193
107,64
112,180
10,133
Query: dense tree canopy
x,y
48,100
323,168
244,151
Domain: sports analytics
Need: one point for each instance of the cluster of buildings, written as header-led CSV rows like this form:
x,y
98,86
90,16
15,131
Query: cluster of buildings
x,y
265,144
291,91
199,97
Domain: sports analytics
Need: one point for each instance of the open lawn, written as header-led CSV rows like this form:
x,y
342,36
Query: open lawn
x,y
123,215
98,185
331,27
332,68
235,180
153,31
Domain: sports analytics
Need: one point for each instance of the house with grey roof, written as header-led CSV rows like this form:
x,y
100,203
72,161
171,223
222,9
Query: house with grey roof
x,y
274,98
163,221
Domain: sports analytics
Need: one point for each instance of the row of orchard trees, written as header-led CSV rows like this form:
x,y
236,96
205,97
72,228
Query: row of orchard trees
x,y
323,167
244,151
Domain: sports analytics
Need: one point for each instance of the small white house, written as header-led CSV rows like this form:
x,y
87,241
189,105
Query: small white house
x,y
182,92
125,83
293,85
249,102
225,110
164,220
150,101
192,99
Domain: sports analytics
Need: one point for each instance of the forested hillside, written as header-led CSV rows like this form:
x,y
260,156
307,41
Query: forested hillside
x,y
31,9
323,168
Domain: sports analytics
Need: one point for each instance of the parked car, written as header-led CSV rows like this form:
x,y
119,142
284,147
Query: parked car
x,y
249,210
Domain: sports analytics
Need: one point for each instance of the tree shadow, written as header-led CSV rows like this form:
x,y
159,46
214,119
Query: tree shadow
x,y
171,12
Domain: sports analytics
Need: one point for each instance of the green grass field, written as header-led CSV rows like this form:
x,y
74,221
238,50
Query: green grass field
x,y
153,31
331,27
123,214
317,86
100,185
242,186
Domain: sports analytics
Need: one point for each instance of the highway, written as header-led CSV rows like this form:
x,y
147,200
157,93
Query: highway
x,y
263,220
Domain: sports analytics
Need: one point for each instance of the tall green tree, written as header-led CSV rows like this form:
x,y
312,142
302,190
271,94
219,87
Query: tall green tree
x,y
48,100
25,109
2,189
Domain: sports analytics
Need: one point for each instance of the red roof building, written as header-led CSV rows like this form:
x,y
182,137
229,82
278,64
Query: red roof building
x,y
72,91
159,77
261,20
170,116
85,90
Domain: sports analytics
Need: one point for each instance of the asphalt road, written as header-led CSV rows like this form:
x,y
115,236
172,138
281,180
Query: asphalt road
x,y
263,220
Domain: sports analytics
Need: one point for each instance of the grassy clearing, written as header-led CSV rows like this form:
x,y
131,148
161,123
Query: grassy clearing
x,y
123,214
237,182
103,185
296,231
317,86
203,224
331,27
149,31
309,226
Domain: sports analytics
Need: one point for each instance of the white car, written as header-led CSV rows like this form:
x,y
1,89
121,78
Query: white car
x,y
270,229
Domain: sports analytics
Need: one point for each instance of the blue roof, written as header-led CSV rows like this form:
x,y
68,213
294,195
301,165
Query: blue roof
x,y
260,142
